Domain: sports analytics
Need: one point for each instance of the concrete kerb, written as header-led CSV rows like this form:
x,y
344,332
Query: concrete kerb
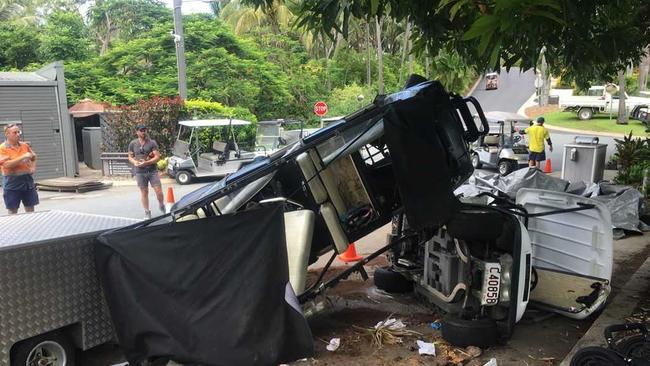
x,y
615,312
586,132
131,182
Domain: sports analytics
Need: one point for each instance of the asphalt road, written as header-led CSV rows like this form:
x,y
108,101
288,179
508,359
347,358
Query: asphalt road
x,y
515,88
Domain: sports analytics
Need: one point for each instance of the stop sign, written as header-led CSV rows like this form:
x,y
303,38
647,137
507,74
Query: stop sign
x,y
320,109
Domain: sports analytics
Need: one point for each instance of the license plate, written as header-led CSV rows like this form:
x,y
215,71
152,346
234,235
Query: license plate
x,y
491,284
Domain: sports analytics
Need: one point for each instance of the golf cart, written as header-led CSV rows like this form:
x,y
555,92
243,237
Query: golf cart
x,y
502,147
350,179
193,160
491,81
272,135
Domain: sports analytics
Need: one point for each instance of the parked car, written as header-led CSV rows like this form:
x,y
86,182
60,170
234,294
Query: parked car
x,y
599,99
491,81
502,147
640,113
399,160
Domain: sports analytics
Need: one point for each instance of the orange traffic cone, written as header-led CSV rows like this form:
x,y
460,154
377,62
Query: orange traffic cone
x,y
169,201
350,254
547,166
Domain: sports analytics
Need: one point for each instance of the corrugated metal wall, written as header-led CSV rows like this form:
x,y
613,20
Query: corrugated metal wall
x,y
37,108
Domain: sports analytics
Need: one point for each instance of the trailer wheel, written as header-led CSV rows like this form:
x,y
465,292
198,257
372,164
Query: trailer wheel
x,y
183,177
52,349
596,356
462,332
476,161
390,281
585,113
506,167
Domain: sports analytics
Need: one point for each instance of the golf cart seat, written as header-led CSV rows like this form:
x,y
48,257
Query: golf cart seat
x,y
218,148
492,140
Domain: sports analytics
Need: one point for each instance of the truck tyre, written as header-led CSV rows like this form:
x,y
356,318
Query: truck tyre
x,y
596,356
462,332
183,177
476,161
52,349
585,113
390,281
506,167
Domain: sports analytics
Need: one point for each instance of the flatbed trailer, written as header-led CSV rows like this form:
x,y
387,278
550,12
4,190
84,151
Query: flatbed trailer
x,y
51,301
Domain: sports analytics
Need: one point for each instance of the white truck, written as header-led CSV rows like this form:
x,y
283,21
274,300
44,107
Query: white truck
x,y
599,100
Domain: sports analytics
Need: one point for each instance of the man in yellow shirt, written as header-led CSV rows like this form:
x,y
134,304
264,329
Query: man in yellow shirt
x,y
537,134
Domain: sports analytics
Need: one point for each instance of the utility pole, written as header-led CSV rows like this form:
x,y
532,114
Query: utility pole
x,y
179,40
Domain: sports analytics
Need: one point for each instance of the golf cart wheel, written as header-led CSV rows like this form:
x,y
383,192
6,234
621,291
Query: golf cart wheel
x,y
390,281
183,177
476,161
52,349
506,167
596,356
635,347
585,114
463,332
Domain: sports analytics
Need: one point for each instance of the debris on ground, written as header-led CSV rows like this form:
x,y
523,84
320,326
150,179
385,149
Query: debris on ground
x,y
333,344
388,331
425,348
492,362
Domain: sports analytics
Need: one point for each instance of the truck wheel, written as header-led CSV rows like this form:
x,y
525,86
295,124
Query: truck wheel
x,y
476,161
390,281
463,332
596,356
585,113
52,349
183,177
506,167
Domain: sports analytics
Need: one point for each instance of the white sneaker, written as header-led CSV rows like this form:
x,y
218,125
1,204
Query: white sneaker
x,y
147,215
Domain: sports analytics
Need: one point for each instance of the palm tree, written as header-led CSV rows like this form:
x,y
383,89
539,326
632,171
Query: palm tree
x,y
20,11
244,18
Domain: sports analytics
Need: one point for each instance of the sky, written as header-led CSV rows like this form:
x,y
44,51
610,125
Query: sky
x,y
191,6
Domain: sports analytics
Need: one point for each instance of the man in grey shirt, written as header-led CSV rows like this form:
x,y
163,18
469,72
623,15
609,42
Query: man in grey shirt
x,y
144,154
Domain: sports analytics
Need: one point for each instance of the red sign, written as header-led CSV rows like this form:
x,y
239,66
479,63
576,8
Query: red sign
x,y
320,109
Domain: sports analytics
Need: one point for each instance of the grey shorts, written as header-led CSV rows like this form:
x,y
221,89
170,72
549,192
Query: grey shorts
x,y
144,179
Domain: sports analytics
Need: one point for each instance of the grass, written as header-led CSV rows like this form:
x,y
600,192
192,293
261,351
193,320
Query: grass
x,y
600,123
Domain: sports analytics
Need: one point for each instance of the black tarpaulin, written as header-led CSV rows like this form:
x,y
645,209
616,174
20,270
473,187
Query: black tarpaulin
x,y
213,291
427,162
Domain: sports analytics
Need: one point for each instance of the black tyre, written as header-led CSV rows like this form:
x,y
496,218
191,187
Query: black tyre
x,y
462,332
596,356
585,114
183,177
476,161
53,349
635,347
475,225
390,281
506,167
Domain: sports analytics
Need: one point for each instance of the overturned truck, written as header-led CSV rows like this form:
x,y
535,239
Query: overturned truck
x,y
397,160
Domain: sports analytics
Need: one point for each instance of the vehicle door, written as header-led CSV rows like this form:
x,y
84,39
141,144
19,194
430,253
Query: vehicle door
x,y
572,251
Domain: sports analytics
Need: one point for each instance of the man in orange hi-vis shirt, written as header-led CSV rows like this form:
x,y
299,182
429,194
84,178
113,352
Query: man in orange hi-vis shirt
x,y
18,163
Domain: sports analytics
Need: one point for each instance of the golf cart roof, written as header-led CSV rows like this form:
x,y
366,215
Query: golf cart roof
x,y
495,116
213,122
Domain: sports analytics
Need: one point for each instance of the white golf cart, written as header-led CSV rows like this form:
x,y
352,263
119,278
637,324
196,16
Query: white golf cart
x,y
273,135
502,147
193,160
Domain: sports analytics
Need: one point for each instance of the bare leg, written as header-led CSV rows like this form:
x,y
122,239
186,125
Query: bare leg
x,y
12,211
531,163
159,194
144,198
29,208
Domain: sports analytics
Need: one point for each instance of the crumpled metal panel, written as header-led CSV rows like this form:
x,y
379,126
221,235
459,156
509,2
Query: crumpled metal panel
x,y
47,277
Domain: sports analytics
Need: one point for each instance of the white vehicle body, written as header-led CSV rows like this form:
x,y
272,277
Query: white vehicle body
x,y
598,100
190,160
